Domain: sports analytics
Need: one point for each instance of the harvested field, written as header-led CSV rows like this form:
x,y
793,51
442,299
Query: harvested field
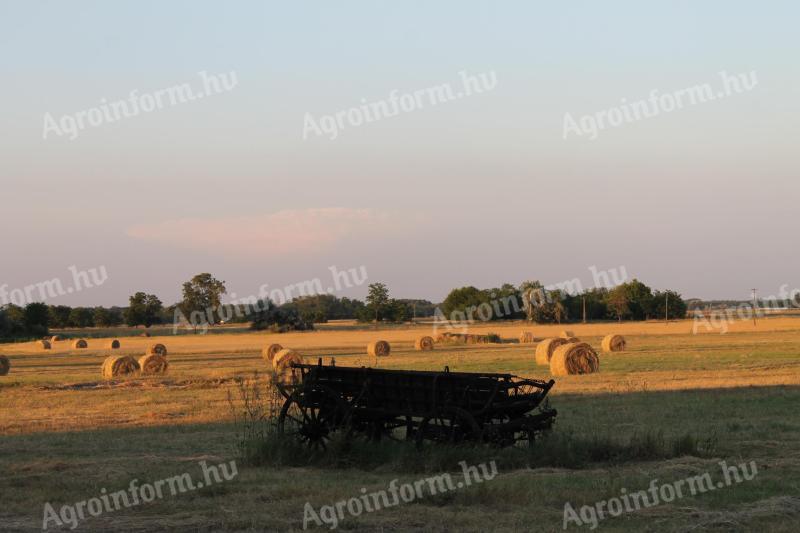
x,y
735,389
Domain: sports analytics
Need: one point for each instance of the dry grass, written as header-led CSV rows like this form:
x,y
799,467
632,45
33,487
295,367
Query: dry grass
x,y
66,433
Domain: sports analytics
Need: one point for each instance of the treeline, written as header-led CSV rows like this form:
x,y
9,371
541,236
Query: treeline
x,y
202,306
532,301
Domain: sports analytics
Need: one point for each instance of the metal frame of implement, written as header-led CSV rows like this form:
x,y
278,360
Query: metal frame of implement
x,y
427,407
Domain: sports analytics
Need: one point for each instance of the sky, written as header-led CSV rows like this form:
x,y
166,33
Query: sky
x,y
482,189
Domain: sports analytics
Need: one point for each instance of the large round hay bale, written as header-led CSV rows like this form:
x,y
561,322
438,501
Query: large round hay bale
x,y
424,344
119,365
114,344
157,349
56,338
526,337
80,343
144,334
574,358
5,365
281,365
567,334
545,349
45,345
378,348
153,364
284,358
268,353
613,343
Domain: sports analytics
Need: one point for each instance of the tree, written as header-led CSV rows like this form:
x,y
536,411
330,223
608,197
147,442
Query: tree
x,y
640,299
58,316
378,299
617,301
36,318
81,317
144,309
677,306
461,303
533,296
106,318
202,298
278,319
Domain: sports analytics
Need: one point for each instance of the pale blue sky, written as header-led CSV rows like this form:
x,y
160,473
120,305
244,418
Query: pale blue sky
x,y
475,191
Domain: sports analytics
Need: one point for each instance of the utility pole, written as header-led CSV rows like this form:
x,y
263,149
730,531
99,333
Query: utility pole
x,y
584,309
754,306
666,308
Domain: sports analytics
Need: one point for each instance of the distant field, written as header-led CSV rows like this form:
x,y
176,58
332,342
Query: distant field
x,y
66,433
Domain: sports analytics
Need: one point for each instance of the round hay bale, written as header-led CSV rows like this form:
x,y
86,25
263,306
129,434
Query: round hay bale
x,y
144,334
56,338
5,365
567,334
45,345
613,343
157,349
378,348
574,358
545,349
284,358
119,365
153,364
80,343
424,344
269,352
281,365
113,345
526,337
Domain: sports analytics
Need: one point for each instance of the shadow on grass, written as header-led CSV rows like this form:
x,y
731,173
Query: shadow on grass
x,y
558,450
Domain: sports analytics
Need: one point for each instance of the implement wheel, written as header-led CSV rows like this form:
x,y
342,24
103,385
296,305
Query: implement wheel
x,y
311,415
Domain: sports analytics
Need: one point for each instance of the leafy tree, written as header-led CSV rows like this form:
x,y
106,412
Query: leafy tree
x,y
36,316
106,318
378,300
58,316
278,319
617,301
533,296
81,317
202,299
144,309
677,306
640,299
459,302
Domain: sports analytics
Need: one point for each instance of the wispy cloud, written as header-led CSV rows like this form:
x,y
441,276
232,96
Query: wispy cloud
x,y
300,231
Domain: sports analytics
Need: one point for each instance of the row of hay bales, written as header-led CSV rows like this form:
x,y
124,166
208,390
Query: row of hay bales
x,y
77,344
465,338
151,363
279,357
567,356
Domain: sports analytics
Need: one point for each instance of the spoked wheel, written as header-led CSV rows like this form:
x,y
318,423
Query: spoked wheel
x,y
448,426
311,415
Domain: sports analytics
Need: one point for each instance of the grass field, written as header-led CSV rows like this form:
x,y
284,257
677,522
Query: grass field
x,y
66,434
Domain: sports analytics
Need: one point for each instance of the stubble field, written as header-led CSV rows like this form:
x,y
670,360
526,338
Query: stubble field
x,y
66,434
